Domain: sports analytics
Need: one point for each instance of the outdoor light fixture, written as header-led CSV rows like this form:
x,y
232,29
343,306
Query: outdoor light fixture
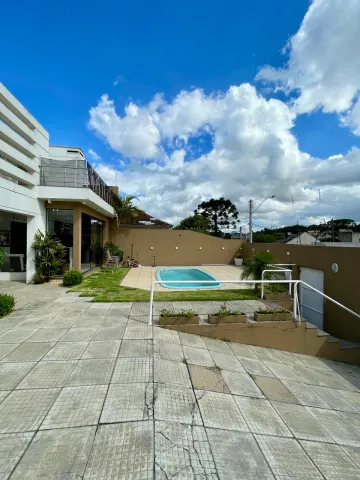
x,y
287,253
200,248
222,248
151,248
176,248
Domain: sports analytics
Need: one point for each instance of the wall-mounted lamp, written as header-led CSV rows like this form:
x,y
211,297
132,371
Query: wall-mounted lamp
x,y
200,248
253,249
49,201
151,248
222,248
176,248
268,251
287,253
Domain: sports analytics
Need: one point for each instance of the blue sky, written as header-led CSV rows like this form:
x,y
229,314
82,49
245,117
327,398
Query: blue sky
x,y
62,57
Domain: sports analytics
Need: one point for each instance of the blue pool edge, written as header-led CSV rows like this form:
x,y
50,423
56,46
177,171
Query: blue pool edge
x,y
164,285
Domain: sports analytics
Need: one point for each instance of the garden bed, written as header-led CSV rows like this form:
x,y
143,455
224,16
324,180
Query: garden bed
x,y
242,318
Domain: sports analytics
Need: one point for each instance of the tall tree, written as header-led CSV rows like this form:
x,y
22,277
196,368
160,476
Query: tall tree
x,y
124,207
222,213
195,222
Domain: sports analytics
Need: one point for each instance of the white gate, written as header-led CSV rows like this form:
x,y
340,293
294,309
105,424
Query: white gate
x,y
312,303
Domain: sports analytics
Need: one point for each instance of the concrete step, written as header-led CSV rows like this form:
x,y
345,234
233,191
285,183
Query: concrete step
x,y
321,333
332,339
310,325
346,344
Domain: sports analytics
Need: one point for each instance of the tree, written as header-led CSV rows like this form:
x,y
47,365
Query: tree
x,y
195,222
253,268
49,254
221,213
262,237
124,207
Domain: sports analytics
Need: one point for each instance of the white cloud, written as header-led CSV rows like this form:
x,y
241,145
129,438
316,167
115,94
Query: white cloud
x,y
93,154
118,79
324,64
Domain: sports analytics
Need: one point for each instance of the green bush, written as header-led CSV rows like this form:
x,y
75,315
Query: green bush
x,y
72,277
49,254
114,250
38,278
2,255
225,312
7,303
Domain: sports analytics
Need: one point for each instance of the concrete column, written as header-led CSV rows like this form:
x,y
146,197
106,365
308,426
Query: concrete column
x,y
34,223
77,240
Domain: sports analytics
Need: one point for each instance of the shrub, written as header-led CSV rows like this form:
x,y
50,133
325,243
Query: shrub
x,y
72,277
181,313
7,303
2,255
114,250
49,254
224,312
38,278
254,267
268,310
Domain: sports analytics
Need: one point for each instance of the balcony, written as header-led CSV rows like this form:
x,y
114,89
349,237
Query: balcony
x,y
73,174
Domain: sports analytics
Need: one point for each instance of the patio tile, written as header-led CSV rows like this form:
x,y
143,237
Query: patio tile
x,y
92,372
282,371
274,389
136,348
132,370
207,379
47,375
76,407
182,448
241,350
198,356
305,394
312,362
168,351
286,458
47,335
57,454
354,454
227,362
332,461
176,404
60,322
191,340
301,423
165,335
109,333
113,319
101,349
166,371
28,352
24,410
12,373
219,410
261,417
288,358
337,427
231,465
113,455
79,335
334,399
6,348
255,367
241,384
217,346
352,397
127,402
16,335
138,333
88,322
4,394
12,447
352,418
265,354
66,351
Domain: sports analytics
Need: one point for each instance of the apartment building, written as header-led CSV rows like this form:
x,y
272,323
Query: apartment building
x,y
51,188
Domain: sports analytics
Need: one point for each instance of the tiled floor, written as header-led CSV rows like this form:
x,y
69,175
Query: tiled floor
x,y
90,391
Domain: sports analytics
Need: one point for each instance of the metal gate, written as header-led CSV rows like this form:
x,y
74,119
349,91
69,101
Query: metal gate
x,y
312,303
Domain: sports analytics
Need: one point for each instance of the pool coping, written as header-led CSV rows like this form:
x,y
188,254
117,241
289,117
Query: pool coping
x,y
158,277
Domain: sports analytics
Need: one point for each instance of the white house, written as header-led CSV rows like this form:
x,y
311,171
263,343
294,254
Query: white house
x,y
48,188
303,238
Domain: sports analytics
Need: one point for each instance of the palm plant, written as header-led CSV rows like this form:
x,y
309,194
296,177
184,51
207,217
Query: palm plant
x,y
124,207
253,268
49,254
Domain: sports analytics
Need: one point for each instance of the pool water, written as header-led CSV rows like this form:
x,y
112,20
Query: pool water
x,y
166,274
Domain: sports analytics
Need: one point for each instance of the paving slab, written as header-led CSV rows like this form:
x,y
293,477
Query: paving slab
x,y
337,427
12,373
138,332
274,389
182,451
47,335
112,319
353,453
66,351
113,455
28,352
241,384
24,410
265,354
242,350
132,370
305,394
204,378
12,447
334,399
332,461
288,358
352,418
287,459
219,410
301,423
47,375
168,351
198,356
255,367
217,346
191,340
17,335
6,348
88,322
166,371
4,394
227,362
57,454
76,407
92,372
237,456
60,322
128,402
79,335
109,333
136,348
312,362
282,371
176,404
166,335
352,397
101,349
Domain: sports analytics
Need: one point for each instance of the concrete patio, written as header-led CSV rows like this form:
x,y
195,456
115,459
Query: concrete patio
x,y
88,390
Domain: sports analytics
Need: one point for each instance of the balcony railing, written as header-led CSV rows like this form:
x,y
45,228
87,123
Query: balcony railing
x,y
74,174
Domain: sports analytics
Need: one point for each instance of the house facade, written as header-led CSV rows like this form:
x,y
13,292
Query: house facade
x,y
51,188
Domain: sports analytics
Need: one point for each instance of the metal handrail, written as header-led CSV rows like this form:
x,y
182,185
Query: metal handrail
x,y
268,270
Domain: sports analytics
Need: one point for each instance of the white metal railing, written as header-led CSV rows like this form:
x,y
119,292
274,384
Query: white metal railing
x,y
273,270
296,307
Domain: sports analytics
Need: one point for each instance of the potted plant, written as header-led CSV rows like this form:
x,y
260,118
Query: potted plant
x,y
49,254
269,314
183,317
225,315
239,257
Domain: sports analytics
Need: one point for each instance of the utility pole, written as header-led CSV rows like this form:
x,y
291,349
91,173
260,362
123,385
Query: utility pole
x,y
250,221
332,231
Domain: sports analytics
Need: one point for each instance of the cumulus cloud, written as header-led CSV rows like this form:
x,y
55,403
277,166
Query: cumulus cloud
x,y
324,65
93,154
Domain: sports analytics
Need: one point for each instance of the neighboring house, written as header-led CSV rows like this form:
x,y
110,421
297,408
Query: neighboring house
x,y
303,238
348,235
46,187
143,220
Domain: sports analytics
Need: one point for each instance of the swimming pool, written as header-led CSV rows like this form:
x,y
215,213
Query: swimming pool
x,y
166,274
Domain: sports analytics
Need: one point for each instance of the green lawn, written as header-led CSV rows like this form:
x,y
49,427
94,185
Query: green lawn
x,y
104,286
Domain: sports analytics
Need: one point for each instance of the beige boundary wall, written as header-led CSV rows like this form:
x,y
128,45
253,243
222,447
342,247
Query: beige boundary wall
x,y
173,247
343,286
